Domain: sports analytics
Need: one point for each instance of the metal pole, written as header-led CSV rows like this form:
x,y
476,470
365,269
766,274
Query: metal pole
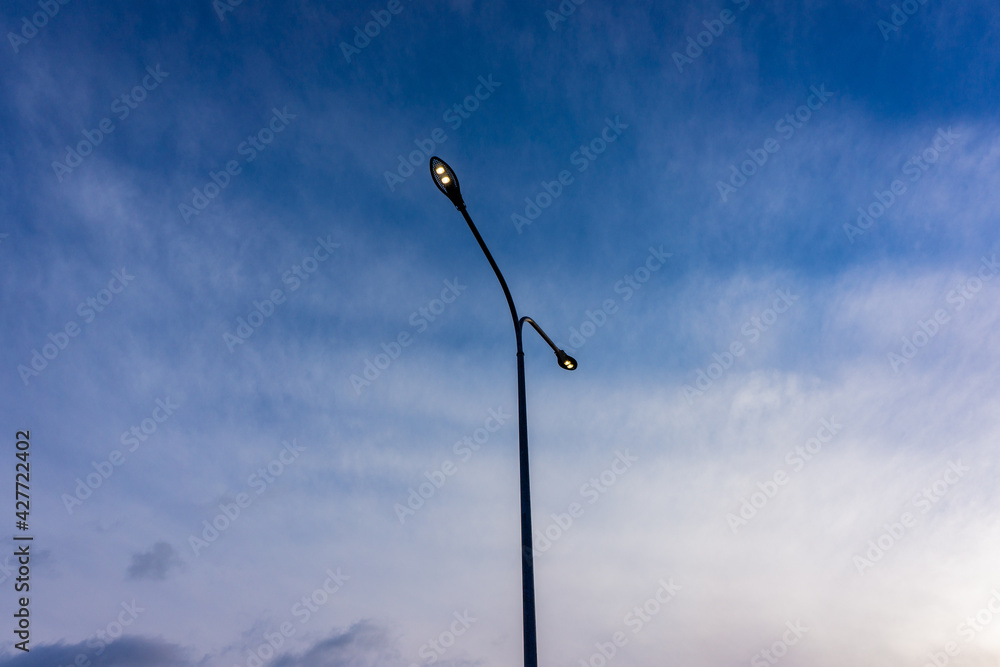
x,y
527,558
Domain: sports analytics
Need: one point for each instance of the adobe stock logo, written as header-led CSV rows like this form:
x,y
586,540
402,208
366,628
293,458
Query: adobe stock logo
x,y
928,328
437,478
454,116
122,107
60,340
914,169
104,469
627,286
99,640
714,28
593,490
259,481
434,648
566,9
303,611
250,148
294,278
779,648
636,620
753,328
925,501
420,320
38,21
967,630
222,7
581,158
767,490
901,13
362,38
785,127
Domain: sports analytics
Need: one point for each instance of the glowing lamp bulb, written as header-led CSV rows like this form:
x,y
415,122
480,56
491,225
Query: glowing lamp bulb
x,y
446,181
566,361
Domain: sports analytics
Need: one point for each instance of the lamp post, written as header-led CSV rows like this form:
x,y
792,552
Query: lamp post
x,y
447,182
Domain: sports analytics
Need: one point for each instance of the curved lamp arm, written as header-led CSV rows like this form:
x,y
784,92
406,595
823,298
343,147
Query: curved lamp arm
x,y
566,361
447,182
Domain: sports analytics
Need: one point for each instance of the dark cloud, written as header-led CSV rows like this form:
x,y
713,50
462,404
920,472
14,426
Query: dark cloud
x,y
125,652
155,563
364,644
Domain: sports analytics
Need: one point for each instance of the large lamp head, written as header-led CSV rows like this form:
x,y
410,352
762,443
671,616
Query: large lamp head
x,y
446,181
566,361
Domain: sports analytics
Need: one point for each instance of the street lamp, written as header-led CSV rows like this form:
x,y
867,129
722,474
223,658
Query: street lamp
x,y
447,183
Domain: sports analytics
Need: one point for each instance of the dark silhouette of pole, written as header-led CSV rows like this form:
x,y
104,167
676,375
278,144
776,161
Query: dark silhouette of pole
x,y
447,182
527,557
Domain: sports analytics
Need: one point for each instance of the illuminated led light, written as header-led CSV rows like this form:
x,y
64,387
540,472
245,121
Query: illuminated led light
x,y
446,180
566,361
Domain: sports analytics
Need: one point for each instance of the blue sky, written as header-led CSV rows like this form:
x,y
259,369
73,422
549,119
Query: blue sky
x,y
767,231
